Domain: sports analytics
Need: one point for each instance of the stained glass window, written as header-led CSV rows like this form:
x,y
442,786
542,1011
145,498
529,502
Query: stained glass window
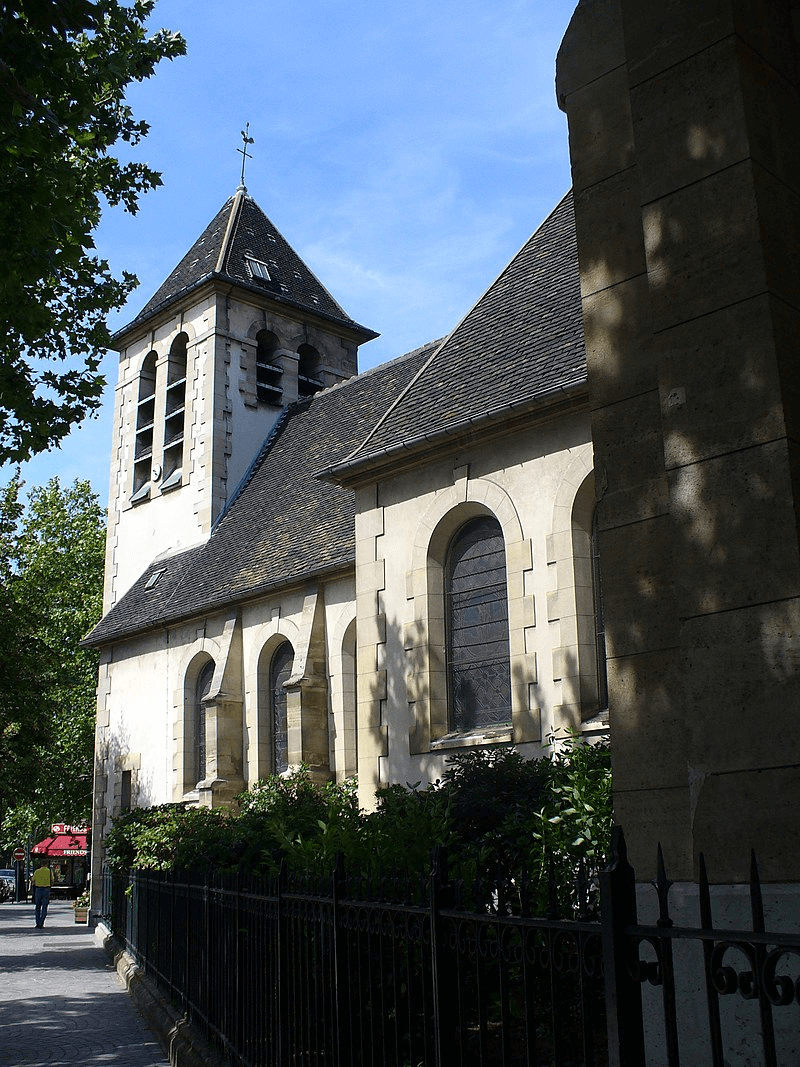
x,y
280,672
202,690
479,673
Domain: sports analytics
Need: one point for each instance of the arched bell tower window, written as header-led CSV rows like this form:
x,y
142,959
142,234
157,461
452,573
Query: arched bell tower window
x,y
268,373
279,673
175,413
478,660
145,418
202,689
308,371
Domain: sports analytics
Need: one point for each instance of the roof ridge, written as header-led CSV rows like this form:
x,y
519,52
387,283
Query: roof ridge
x,y
275,431
233,218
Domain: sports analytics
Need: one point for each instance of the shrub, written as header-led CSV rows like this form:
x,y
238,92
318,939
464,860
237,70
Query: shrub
x,y
171,836
506,823
293,818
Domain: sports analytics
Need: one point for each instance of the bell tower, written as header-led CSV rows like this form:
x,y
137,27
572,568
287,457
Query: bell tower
x,y
240,329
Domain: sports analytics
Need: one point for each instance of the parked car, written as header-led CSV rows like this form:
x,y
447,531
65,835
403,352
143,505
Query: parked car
x,y
8,883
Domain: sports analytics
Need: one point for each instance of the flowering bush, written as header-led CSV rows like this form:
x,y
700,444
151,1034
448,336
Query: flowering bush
x,y
81,901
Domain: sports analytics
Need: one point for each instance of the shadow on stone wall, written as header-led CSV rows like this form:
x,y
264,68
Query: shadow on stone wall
x,y
685,165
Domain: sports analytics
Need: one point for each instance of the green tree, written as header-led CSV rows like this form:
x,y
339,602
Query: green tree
x,y
24,707
64,70
51,554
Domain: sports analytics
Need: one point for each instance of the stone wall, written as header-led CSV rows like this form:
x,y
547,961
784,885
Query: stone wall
x,y
683,120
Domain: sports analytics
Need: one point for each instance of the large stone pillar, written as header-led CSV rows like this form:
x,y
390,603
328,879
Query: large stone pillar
x,y
683,121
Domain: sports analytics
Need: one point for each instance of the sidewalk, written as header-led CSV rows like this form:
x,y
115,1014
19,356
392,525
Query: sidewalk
x,y
61,1002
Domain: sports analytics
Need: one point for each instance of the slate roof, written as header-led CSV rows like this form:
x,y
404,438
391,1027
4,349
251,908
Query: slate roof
x,y
240,228
282,524
522,341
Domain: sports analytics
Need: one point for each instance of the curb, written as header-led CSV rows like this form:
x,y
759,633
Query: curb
x,y
181,1042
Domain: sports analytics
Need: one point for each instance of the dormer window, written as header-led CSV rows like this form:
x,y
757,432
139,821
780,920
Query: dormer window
x,y
154,578
259,270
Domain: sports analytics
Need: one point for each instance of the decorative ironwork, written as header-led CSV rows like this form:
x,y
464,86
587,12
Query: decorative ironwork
x,y
352,971
246,140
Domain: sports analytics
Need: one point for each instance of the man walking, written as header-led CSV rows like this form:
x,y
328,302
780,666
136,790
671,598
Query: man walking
x,y
41,882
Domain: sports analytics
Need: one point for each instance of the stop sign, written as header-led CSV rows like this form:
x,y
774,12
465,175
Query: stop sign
x,y
18,855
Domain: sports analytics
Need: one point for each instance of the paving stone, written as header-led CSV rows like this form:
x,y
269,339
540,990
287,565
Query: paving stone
x,y
61,1002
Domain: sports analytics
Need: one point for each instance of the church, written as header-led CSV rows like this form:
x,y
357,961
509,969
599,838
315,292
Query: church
x,y
364,573
369,573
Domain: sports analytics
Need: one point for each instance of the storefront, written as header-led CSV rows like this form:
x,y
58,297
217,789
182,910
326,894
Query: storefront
x,y
67,850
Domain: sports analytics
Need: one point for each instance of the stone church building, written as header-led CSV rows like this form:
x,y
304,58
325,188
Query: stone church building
x,y
362,572
370,572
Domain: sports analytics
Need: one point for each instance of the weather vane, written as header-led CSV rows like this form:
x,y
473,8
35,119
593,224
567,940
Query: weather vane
x,y
247,139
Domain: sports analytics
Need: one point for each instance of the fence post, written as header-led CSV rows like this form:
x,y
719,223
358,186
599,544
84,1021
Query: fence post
x,y
439,979
283,973
341,970
130,914
620,954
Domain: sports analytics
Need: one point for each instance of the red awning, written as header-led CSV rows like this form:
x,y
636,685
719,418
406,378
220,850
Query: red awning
x,y
62,845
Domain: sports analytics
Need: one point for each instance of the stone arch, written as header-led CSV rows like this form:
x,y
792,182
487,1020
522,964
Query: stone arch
x,y
148,357
261,758
425,638
571,603
194,733
179,327
455,506
269,323
344,693
578,469
191,661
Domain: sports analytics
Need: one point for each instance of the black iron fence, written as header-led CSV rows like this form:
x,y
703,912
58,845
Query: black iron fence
x,y
330,971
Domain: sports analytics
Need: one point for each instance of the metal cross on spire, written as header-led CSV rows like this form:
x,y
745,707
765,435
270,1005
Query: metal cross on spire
x,y
246,139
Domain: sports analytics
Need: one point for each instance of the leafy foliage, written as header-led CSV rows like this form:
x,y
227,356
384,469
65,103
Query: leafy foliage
x,y
503,819
280,817
51,560
64,70
170,836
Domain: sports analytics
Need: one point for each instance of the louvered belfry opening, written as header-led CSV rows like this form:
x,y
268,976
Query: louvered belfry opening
x,y
479,675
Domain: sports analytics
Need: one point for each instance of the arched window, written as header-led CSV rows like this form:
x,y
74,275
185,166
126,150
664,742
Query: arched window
x,y
202,689
478,662
308,371
145,417
280,671
175,413
349,762
268,372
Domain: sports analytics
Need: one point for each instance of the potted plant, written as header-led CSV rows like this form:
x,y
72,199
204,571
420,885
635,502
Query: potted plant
x,y
80,906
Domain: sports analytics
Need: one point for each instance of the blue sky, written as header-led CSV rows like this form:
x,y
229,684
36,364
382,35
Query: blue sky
x,y
405,149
